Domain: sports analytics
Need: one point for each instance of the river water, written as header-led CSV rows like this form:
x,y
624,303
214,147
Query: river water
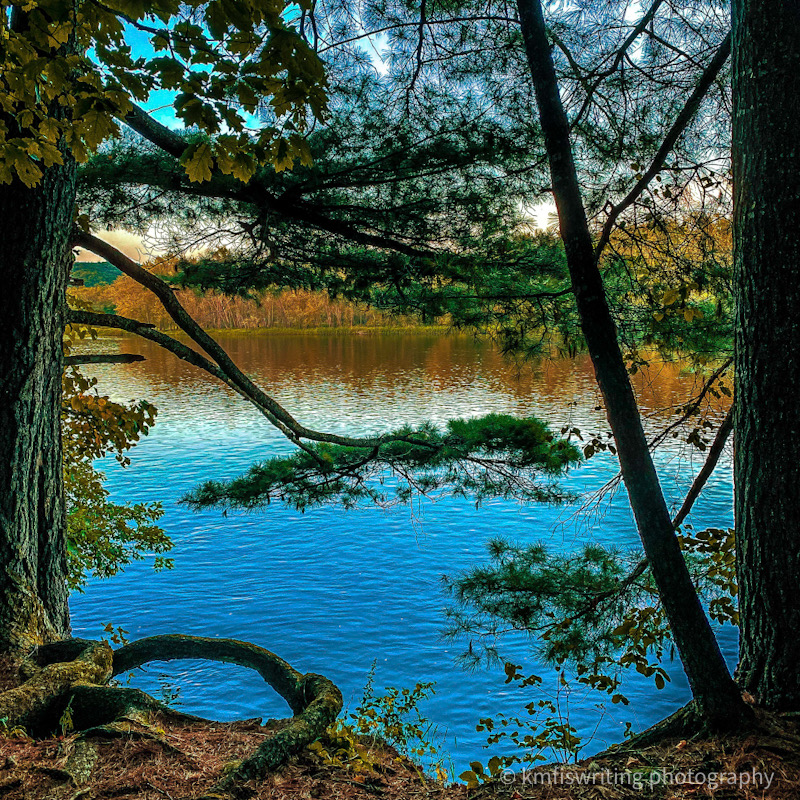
x,y
335,591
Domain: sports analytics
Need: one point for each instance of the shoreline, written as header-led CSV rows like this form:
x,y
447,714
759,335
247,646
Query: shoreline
x,y
381,330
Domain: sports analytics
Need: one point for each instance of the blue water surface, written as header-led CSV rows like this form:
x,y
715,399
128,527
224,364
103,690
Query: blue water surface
x,y
335,591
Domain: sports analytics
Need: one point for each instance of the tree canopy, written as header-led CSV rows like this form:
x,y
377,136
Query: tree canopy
x,y
71,72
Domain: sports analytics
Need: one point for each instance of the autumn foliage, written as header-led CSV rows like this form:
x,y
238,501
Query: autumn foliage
x,y
282,309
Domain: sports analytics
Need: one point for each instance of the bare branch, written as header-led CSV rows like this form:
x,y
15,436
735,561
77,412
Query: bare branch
x,y
691,407
225,368
146,331
420,42
618,58
697,486
702,477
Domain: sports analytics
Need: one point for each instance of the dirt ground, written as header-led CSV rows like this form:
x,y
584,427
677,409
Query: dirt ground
x,y
162,759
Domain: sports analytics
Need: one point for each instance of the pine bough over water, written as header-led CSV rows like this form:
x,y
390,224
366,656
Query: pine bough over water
x,y
491,456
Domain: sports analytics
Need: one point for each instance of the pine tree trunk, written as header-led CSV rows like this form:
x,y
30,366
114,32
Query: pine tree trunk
x,y
34,266
766,142
717,696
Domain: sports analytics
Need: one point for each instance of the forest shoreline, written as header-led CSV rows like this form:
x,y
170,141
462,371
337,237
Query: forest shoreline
x,y
323,330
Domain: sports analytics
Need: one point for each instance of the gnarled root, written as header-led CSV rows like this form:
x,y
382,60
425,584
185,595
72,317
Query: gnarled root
x,y
315,700
32,704
688,723
67,681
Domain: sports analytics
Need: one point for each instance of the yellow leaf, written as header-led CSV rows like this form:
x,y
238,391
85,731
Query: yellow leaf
x,y
28,172
670,296
198,161
244,166
95,127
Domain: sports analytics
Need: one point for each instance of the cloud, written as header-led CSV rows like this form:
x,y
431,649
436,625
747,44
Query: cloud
x,y
129,243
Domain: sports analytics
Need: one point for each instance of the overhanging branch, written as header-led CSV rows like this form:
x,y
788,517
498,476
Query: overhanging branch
x,y
224,368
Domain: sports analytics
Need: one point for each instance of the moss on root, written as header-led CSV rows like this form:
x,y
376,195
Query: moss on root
x,y
66,685
31,704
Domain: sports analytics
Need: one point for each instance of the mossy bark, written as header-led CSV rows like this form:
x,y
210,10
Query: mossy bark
x,y
315,701
766,161
33,704
34,265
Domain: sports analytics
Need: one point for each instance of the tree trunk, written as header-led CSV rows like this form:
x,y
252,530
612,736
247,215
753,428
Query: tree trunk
x,y
766,161
717,696
34,266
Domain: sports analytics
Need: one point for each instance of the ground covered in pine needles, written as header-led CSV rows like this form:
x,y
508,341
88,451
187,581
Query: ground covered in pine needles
x,y
162,758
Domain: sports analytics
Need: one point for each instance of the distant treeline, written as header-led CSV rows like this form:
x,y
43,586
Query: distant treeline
x,y
110,292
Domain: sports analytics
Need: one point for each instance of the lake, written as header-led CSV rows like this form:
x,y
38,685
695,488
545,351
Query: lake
x,y
335,591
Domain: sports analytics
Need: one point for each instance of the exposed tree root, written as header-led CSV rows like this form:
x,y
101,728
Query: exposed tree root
x,y
66,686
685,723
81,762
286,680
688,724
31,705
314,699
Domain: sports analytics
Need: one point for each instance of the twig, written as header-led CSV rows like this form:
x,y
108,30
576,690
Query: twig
x,y
687,112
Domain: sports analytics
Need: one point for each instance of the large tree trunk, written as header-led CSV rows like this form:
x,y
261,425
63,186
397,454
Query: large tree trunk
x,y
714,691
34,266
766,142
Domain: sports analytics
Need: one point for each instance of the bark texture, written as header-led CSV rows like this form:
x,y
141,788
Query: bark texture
x,y
766,88
32,704
34,266
717,696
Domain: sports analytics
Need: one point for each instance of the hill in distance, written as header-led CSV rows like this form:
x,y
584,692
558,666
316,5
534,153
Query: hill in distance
x,y
95,273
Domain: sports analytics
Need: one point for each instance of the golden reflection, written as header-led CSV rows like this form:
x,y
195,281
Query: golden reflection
x,y
382,364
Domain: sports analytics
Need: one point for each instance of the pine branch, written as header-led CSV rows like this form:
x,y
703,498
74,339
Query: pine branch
x,y
226,187
313,472
675,132
491,456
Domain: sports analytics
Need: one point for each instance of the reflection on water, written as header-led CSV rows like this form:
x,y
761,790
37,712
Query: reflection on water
x,y
390,361
333,591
